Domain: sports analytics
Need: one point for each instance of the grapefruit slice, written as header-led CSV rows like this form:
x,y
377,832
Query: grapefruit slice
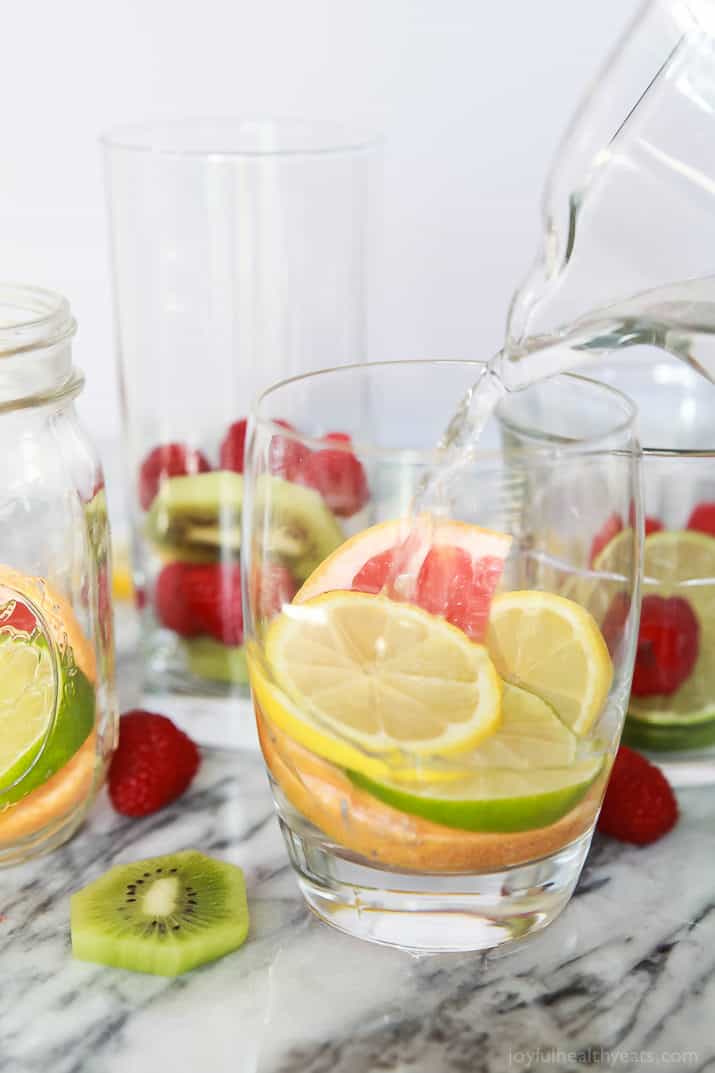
x,y
446,567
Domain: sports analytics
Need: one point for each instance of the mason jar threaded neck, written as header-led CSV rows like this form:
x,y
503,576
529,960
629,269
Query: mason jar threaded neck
x,y
36,330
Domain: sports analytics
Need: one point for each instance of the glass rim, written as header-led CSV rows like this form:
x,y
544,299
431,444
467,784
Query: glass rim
x,y
47,319
646,366
311,137
429,455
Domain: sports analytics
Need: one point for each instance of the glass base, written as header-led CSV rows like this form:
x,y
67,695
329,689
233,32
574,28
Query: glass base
x,y
54,834
434,913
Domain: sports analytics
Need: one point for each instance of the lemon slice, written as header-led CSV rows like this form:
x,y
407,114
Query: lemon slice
x,y
552,647
375,685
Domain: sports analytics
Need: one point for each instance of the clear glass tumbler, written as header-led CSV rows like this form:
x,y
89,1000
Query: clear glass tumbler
x,y
672,708
57,700
241,254
437,719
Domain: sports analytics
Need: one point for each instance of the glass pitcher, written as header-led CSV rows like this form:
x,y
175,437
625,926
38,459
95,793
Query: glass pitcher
x,y
629,207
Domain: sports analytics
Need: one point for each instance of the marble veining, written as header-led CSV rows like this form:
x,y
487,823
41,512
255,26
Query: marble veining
x,y
628,969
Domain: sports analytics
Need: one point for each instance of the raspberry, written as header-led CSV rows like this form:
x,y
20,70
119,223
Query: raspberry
x,y
610,528
169,460
639,805
703,518
153,764
338,475
233,446
668,643
204,598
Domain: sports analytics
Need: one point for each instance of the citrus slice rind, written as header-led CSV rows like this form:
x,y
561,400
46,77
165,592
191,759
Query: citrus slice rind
x,y
28,703
552,647
47,699
415,536
375,685
494,799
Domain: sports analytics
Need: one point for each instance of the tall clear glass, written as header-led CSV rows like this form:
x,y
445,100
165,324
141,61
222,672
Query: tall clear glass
x,y
438,715
241,254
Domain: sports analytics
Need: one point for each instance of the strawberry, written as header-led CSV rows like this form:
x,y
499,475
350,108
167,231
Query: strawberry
x,y
201,598
233,446
639,805
610,528
703,518
153,764
272,585
338,475
453,584
668,643
168,460
650,524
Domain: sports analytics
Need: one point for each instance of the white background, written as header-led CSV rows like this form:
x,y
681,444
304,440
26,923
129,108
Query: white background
x,y
471,95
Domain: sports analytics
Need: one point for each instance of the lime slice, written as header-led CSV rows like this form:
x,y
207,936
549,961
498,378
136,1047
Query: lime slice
x,y
375,685
27,703
681,563
42,722
552,647
526,775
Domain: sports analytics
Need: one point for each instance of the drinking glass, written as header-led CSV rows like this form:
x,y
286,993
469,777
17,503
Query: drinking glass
x,y
437,719
672,707
241,254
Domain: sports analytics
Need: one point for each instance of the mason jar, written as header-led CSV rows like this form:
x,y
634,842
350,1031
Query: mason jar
x,y
58,711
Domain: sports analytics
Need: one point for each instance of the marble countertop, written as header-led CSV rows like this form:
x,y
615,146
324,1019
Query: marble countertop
x,y
625,977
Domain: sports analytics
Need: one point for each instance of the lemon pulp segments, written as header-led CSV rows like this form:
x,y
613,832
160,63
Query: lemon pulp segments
x,y
375,685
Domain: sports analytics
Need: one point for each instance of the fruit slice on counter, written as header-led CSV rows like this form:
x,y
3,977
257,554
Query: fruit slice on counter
x,y
216,662
163,916
47,702
448,568
198,518
375,685
524,776
552,647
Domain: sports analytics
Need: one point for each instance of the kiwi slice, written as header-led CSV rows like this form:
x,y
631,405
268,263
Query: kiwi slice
x,y
218,663
164,915
197,516
302,529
